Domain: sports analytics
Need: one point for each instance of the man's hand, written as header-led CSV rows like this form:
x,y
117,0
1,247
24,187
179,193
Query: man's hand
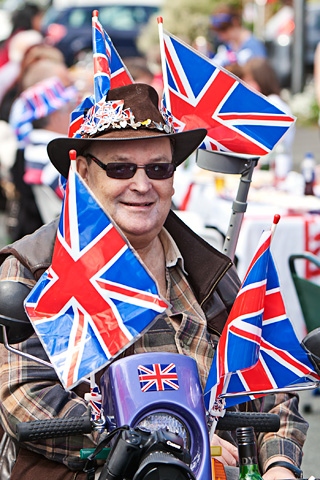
x,y
276,473
229,454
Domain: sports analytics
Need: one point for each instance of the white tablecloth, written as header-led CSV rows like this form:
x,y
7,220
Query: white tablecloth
x,y
295,233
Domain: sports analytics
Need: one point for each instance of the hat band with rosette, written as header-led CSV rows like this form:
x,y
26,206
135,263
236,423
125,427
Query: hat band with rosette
x,y
108,115
134,116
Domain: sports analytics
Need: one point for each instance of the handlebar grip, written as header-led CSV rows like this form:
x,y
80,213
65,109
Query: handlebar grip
x,y
261,422
53,428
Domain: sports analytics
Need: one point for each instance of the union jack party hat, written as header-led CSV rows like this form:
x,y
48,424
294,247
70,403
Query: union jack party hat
x,y
118,110
37,102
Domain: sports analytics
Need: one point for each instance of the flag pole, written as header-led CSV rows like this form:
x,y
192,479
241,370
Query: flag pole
x,y
275,222
218,410
163,64
72,157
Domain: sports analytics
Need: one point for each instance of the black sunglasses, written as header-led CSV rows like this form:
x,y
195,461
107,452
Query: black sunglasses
x,y
154,171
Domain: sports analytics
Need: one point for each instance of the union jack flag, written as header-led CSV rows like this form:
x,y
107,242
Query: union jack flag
x,y
109,72
158,377
96,298
201,94
258,348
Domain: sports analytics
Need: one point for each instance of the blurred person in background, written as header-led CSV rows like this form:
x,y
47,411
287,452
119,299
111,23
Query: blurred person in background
x,y
141,72
11,70
27,17
238,44
31,70
31,54
38,115
259,74
26,31
139,69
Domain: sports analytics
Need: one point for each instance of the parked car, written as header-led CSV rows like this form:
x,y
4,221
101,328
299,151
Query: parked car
x,y
68,26
279,37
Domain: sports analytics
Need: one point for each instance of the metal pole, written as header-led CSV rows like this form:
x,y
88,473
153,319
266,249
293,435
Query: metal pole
x,y
231,164
298,47
239,206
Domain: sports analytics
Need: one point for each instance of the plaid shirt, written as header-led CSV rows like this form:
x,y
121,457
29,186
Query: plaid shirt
x,y
30,391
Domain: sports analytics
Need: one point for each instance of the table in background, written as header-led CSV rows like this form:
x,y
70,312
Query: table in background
x,y
297,231
294,234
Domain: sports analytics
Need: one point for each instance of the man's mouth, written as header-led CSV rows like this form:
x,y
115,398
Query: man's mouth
x,y
133,204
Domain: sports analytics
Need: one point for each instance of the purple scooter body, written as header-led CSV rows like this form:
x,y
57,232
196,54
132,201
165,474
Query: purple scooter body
x,y
138,386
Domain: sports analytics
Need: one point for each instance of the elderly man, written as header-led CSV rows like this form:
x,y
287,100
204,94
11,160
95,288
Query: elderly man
x,y
127,155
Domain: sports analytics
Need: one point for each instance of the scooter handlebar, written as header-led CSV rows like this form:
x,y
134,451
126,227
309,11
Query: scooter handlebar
x,y
62,427
261,422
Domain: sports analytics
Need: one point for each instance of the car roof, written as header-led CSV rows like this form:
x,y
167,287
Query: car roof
x,y
61,4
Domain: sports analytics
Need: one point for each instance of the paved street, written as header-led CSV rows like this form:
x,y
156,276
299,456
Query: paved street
x,y
311,459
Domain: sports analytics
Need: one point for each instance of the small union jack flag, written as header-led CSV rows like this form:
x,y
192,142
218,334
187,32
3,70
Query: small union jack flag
x,y
96,298
158,377
95,403
258,348
109,72
201,94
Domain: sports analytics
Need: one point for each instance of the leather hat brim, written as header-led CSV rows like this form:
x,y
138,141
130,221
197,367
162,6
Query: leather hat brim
x,y
184,144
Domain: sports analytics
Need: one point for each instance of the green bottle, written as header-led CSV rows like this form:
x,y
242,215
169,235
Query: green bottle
x,y
248,459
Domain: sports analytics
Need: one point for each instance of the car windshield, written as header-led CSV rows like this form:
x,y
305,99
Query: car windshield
x,y
115,17
125,17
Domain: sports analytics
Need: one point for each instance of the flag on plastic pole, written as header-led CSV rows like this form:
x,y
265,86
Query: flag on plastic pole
x,y
96,298
200,94
258,348
109,72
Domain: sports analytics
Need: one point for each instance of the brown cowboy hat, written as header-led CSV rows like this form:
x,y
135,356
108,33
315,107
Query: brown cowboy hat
x,y
127,113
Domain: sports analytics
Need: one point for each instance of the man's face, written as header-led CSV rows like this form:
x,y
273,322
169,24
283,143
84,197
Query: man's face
x,y
138,205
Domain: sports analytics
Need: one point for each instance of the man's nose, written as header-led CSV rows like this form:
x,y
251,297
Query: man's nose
x,y
141,180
